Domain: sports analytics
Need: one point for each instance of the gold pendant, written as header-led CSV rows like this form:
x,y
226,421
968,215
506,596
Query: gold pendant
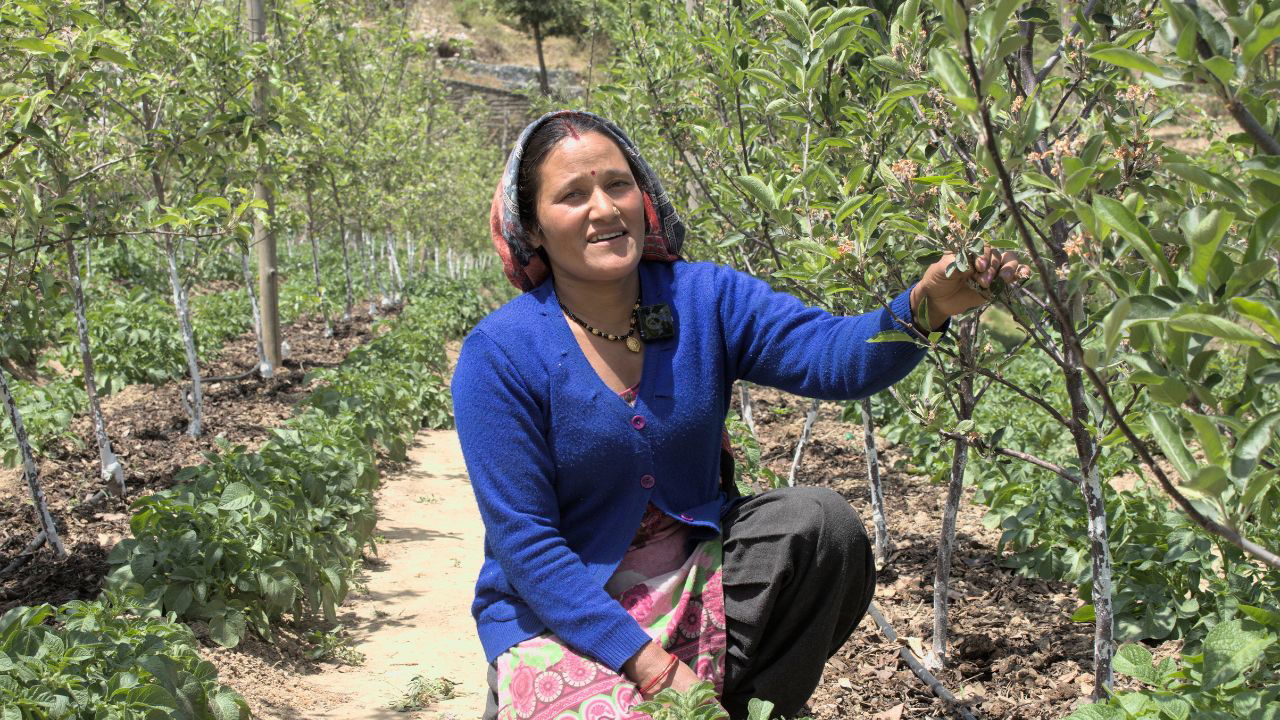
x,y
633,343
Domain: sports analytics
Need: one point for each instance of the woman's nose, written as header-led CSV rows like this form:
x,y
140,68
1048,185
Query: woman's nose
x,y
602,207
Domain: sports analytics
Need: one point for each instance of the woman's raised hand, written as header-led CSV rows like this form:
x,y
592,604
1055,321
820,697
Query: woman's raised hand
x,y
946,296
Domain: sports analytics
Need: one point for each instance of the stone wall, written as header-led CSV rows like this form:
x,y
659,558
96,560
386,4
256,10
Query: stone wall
x,y
500,95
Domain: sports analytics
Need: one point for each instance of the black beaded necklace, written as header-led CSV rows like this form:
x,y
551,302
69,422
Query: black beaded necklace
x,y
633,342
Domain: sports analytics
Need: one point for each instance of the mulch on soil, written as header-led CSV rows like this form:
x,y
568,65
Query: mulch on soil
x,y
1015,652
148,427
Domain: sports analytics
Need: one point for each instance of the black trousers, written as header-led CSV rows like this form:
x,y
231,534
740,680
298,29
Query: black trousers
x,y
798,575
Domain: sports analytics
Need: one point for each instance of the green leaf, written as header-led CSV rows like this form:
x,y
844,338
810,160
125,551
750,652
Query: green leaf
x,y
763,194
945,65
1098,711
1264,33
236,496
1252,444
1209,436
1229,650
1170,440
1206,179
1122,219
1262,616
1134,660
892,336
1222,68
1084,614
227,628
35,45
227,705
1112,324
1264,315
901,92
112,55
1204,230
1215,326
1126,58
758,709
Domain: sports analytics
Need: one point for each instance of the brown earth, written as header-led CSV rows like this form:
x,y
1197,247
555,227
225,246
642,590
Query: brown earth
x,y
148,426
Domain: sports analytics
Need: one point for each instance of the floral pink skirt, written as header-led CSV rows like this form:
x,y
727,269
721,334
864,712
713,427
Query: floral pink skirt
x,y
675,596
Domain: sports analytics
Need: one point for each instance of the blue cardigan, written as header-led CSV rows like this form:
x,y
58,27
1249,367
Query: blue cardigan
x,y
563,468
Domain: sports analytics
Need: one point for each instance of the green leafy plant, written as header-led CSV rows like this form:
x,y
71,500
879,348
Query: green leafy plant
x,y
698,703
106,659
331,645
247,537
1233,675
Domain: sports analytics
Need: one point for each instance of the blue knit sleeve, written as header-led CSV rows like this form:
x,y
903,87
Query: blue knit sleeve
x,y
773,339
503,434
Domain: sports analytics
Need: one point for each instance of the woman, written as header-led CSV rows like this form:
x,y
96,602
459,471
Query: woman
x,y
590,411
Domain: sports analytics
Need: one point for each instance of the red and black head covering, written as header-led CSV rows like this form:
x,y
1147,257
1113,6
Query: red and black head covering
x,y
664,232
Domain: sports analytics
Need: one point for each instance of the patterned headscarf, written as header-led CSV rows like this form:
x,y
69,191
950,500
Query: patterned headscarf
x,y
664,232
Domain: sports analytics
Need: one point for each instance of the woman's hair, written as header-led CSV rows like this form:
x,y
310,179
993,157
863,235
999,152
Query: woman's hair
x,y
540,144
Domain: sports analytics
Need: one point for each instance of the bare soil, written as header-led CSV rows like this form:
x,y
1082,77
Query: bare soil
x,y
147,425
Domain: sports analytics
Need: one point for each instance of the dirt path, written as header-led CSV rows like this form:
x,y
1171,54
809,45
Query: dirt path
x,y
415,619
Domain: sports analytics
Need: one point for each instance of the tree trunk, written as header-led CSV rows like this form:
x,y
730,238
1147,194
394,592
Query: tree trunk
x,y
196,407
394,266
366,255
346,269
436,253
748,410
111,467
809,419
883,546
542,63
966,331
29,470
264,235
315,264
342,238
1099,547
411,261
264,366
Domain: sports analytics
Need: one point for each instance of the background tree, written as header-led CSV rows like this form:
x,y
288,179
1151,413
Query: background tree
x,y
546,18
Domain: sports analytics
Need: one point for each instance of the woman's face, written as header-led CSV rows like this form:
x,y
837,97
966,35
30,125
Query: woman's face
x,y
590,210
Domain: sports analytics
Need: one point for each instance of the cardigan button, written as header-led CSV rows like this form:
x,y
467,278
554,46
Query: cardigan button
x,y
647,481
637,422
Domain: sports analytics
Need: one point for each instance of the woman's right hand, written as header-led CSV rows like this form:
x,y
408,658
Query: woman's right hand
x,y
652,661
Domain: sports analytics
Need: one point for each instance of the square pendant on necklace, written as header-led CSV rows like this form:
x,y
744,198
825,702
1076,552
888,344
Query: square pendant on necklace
x,y
655,323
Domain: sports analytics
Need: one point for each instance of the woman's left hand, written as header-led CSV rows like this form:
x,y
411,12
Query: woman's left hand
x,y
949,296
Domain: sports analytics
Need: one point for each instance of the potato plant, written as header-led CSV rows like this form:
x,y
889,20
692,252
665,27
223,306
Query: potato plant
x,y
106,659
247,537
